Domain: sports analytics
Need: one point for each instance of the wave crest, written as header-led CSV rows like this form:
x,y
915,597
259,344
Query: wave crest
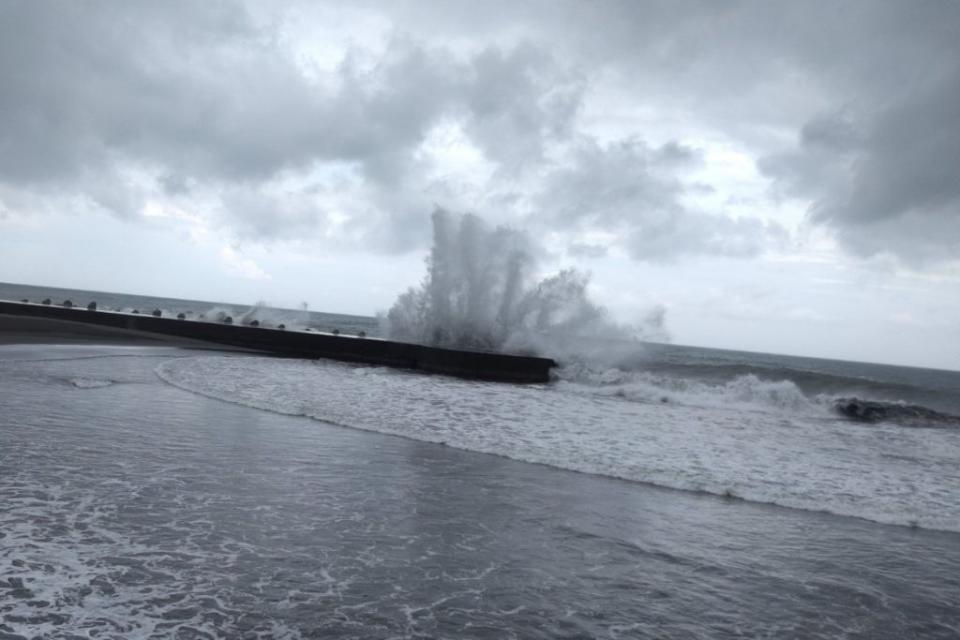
x,y
747,391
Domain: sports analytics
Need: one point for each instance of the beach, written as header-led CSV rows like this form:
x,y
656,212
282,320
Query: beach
x,y
136,508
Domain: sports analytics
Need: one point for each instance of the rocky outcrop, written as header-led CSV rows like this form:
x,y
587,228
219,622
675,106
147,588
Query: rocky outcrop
x,y
873,411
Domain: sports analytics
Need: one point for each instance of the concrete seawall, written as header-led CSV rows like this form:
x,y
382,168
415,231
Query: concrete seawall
x,y
300,344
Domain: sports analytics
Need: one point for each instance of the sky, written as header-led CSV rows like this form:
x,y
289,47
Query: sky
x,y
777,176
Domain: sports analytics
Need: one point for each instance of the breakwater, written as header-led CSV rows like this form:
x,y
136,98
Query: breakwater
x,y
304,344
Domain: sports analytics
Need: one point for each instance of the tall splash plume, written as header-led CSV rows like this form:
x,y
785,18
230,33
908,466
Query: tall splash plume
x,y
479,293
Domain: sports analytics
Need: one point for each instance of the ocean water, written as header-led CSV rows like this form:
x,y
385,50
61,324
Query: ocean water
x,y
674,493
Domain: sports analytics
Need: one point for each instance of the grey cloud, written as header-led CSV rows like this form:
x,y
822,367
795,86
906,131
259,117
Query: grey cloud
x,y
822,160
518,99
631,189
892,184
874,81
204,97
584,250
833,132
605,185
671,235
257,215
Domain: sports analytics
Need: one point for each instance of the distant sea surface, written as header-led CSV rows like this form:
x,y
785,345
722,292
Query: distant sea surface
x,y
676,493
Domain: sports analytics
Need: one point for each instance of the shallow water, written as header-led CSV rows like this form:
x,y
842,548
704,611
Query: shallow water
x,y
133,508
755,440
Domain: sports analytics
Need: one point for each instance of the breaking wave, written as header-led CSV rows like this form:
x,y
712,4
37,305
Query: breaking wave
x,y
746,390
749,391
480,292
747,438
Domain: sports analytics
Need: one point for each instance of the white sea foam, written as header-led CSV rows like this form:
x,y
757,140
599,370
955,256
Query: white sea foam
x,y
750,439
747,391
480,292
90,383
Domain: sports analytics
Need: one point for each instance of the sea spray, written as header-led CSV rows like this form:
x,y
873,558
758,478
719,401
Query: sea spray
x,y
480,293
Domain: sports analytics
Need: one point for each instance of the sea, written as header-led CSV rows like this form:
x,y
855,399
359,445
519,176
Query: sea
x,y
673,492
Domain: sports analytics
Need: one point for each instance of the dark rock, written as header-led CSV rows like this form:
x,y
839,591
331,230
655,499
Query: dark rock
x,y
92,306
872,411
181,316
281,326
861,410
157,313
254,323
68,304
228,320
336,332
362,334
24,300
136,311
46,301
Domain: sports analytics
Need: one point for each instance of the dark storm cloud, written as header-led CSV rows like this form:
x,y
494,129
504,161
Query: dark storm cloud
x,y
891,184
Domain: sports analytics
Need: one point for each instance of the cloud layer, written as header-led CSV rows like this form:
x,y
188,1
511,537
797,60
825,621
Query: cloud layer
x,y
345,126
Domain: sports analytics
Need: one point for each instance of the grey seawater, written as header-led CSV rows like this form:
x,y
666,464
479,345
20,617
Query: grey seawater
x,y
135,509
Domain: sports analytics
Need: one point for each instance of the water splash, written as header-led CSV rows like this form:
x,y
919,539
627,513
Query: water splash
x,y
480,293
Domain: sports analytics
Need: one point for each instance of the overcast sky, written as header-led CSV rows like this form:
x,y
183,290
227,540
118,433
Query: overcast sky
x,y
780,176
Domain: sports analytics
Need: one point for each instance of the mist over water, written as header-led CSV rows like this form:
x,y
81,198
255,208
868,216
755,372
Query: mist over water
x,y
481,292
